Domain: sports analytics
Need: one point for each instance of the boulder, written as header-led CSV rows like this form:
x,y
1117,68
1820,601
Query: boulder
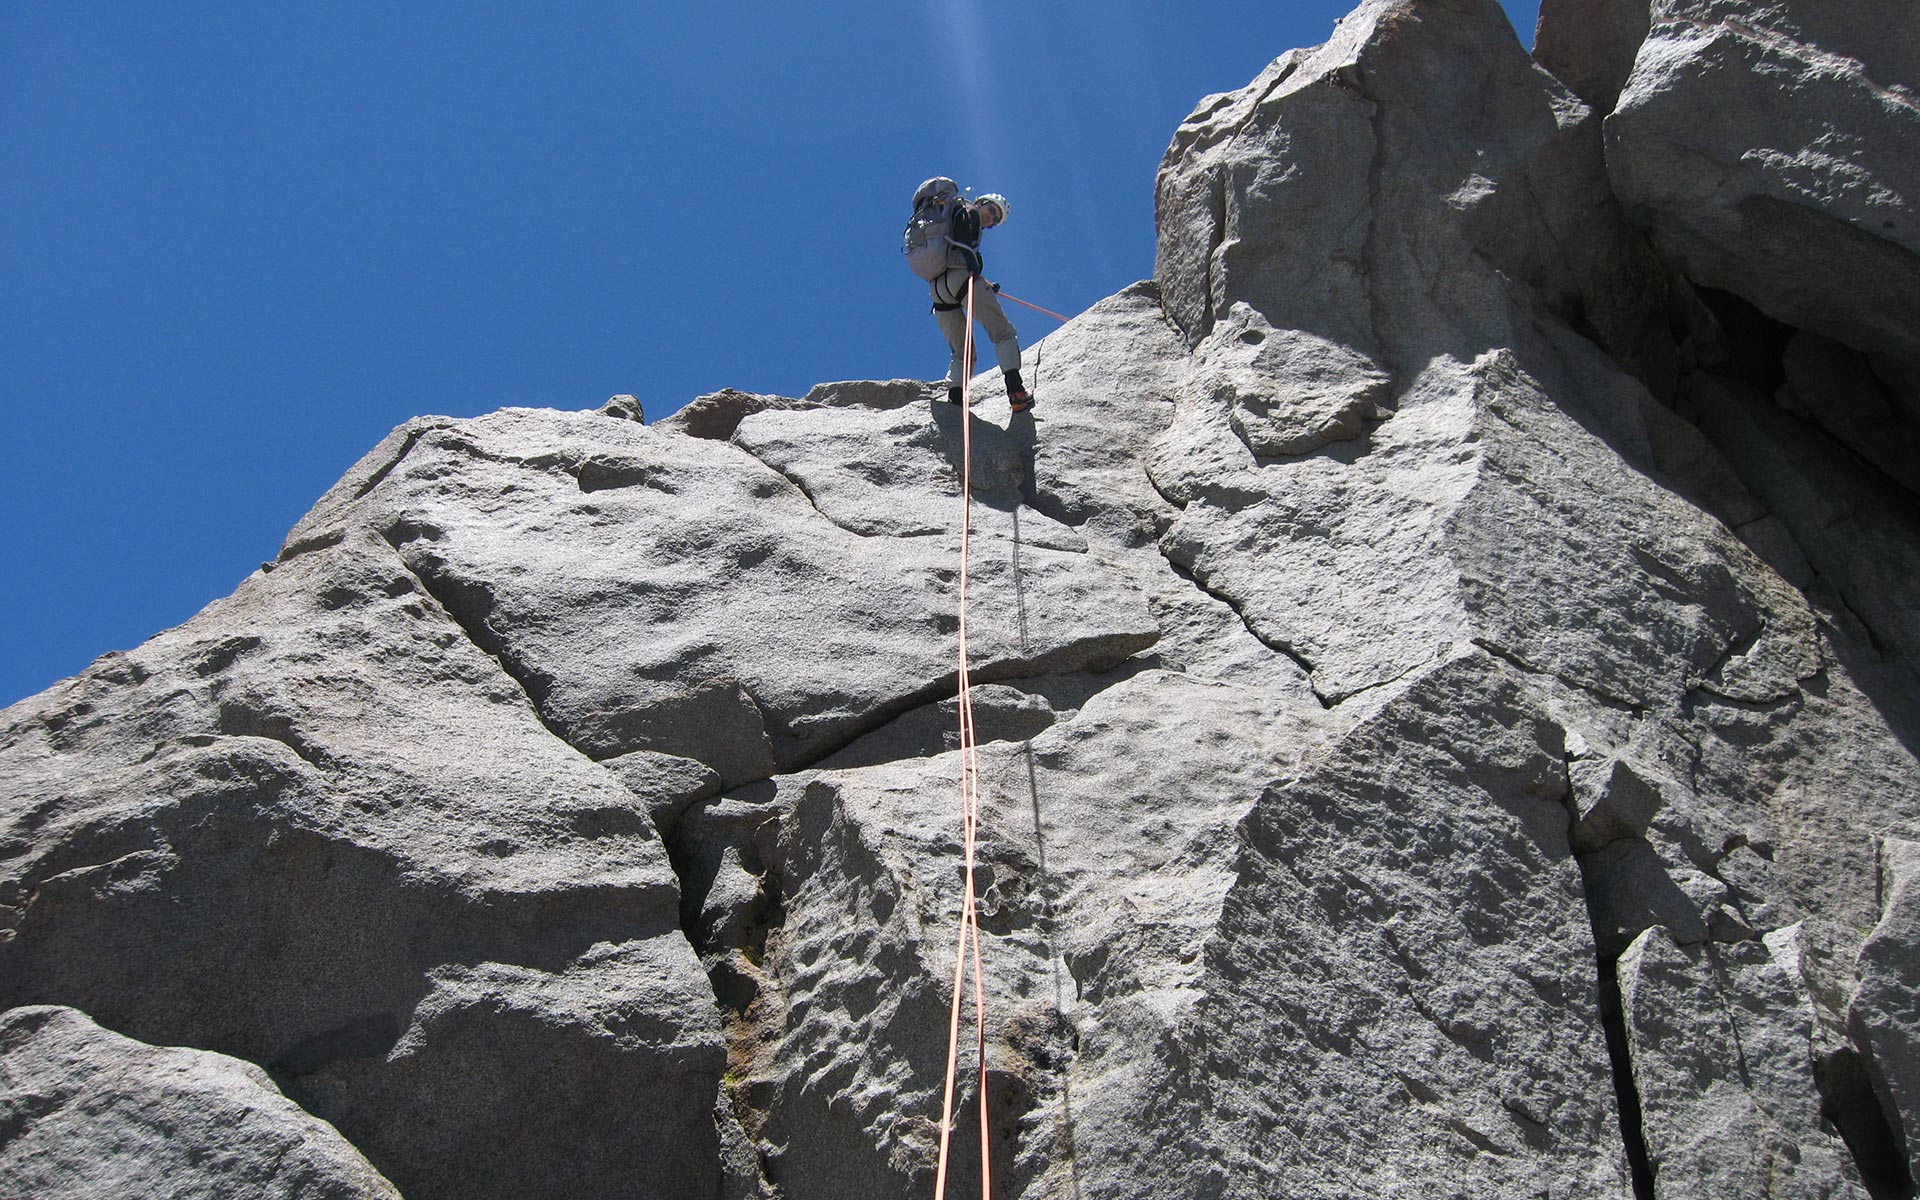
x,y
1613,800
1388,191
318,829
717,414
86,1114
1773,151
1590,45
624,408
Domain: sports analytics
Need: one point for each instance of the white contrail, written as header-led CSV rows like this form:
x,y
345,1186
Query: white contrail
x,y
959,31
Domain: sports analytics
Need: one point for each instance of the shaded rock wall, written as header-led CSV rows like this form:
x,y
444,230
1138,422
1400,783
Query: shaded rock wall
x,y
1443,650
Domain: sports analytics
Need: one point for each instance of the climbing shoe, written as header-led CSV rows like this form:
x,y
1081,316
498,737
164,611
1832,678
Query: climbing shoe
x,y
1020,401
953,395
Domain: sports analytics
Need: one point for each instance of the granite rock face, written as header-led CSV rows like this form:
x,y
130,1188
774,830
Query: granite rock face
x,y
1443,661
1769,148
343,846
88,1113
1883,1010
1720,1035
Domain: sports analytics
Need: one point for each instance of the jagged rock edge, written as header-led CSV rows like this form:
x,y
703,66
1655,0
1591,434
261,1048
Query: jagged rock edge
x,y
724,1101
799,487
1278,647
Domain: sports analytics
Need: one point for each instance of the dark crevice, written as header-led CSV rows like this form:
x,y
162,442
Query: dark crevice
x,y
1736,345
1346,451
925,731
531,686
1613,1026
1626,1094
1848,1101
1377,167
293,550
1278,647
368,1036
947,688
733,949
1789,703
233,720
1336,699
943,689
597,474
1879,875
803,490
1722,336
1725,986
1874,641
1571,309
1476,1139
562,461
1662,576
1632,708
1790,700
1217,238
406,448
1253,110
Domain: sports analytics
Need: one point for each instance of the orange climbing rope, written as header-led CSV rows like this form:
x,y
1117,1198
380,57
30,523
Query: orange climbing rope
x,y
1035,307
968,941
969,936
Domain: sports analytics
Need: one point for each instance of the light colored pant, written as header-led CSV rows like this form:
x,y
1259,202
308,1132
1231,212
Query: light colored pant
x,y
951,288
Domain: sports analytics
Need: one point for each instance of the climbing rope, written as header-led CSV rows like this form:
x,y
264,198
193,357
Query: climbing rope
x,y
969,936
967,942
1035,307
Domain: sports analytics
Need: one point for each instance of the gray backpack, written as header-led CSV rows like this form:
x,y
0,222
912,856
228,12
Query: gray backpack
x,y
926,240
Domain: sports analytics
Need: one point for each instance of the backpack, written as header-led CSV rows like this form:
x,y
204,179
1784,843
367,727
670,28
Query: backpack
x,y
927,237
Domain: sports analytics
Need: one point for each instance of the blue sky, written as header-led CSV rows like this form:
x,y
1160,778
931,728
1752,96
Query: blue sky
x,y
241,241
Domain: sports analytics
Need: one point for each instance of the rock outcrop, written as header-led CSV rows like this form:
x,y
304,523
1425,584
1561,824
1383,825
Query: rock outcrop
x,y
85,1113
1444,653
1769,148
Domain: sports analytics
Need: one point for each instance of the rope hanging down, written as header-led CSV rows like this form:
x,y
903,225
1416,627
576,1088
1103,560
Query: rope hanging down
x,y
968,940
969,936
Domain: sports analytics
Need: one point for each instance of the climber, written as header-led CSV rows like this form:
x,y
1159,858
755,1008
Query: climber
x,y
967,219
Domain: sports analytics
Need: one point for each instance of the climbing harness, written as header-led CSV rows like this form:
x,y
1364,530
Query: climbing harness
x,y
969,936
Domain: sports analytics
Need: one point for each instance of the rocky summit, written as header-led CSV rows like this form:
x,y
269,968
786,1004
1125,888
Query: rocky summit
x,y
1444,653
